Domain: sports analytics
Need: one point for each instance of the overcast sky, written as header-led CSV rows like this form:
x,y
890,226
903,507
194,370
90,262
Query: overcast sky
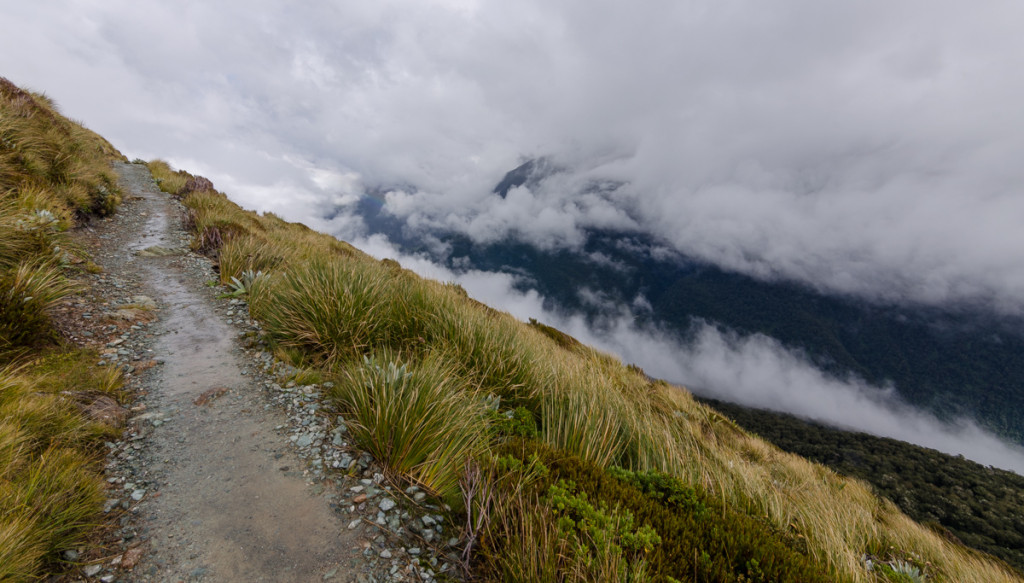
x,y
869,147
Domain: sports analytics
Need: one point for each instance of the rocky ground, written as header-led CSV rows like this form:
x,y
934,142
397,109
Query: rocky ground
x,y
228,470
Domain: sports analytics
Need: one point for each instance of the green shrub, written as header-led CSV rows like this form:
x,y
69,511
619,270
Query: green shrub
x,y
701,538
518,422
602,540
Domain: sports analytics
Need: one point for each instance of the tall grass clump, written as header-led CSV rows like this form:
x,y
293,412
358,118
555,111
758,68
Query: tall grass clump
x,y
335,311
48,162
418,419
27,292
50,476
167,178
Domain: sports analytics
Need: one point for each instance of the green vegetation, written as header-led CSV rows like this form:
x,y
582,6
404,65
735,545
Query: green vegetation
x,y
404,353
53,174
645,525
980,506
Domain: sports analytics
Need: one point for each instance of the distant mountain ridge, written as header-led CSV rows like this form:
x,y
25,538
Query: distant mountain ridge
x,y
953,362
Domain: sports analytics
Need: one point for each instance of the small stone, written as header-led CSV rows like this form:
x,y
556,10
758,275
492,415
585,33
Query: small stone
x,y
92,570
305,440
330,574
352,525
359,499
70,555
386,504
131,558
414,551
385,554
138,494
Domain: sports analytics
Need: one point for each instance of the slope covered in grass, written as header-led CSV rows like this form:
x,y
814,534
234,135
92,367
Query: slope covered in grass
x,y
565,464
53,174
981,506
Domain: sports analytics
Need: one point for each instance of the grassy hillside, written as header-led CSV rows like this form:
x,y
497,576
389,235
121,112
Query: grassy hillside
x,y
981,506
565,464
54,173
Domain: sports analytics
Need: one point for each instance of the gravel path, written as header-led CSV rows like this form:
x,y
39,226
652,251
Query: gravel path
x,y
225,475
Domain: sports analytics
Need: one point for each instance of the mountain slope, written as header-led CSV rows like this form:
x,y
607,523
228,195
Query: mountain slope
x,y
562,463
543,424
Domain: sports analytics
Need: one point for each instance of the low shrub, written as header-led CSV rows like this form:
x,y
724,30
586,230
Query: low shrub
x,y
701,538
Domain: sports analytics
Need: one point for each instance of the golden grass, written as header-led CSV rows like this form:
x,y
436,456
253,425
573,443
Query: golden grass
x,y
416,419
50,476
53,172
167,178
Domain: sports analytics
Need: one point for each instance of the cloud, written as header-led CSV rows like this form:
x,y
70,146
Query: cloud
x,y
867,148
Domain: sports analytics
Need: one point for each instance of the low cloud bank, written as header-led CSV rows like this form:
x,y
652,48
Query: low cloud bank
x,y
755,370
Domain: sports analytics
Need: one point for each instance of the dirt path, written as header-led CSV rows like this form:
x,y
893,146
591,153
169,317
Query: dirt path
x,y
223,475
224,511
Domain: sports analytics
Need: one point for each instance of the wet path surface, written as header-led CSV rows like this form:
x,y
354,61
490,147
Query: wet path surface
x,y
224,509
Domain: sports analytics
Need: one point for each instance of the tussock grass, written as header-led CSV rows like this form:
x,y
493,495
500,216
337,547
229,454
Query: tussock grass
x,y
27,292
416,419
53,173
50,475
533,550
167,178
331,306
48,162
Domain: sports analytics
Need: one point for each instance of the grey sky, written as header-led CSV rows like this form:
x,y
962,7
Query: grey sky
x,y
867,147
